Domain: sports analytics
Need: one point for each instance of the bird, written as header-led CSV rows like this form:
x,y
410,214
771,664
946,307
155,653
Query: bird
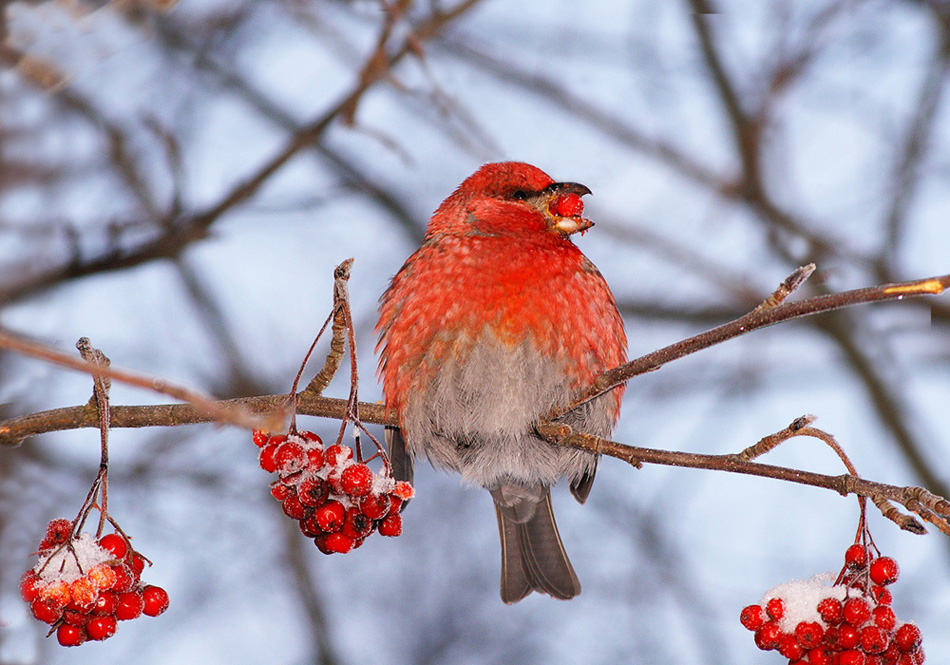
x,y
494,321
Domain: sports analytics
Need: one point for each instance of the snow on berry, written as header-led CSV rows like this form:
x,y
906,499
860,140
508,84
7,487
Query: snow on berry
x,y
836,621
82,587
329,492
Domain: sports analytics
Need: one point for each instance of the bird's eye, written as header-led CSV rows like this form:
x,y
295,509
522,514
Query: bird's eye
x,y
519,194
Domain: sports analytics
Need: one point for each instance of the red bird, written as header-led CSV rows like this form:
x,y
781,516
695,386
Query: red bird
x,y
495,320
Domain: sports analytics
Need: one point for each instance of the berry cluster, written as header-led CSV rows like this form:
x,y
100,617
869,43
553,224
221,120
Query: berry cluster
x,y
83,588
338,500
849,623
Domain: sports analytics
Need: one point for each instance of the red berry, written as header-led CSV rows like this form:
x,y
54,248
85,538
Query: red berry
x,y
338,543
856,611
124,579
881,594
831,610
312,492
873,639
775,608
567,205
884,570
293,508
55,594
136,563
820,656
267,458
768,636
58,531
309,526
908,637
45,612
290,457
752,617
883,616
789,647
356,525
337,454
357,479
280,491
851,657
395,503
105,604
101,627
855,557
75,617
848,636
391,525
129,607
260,438
809,634
115,544
28,589
312,438
376,506
330,516
315,459
404,490
102,576
82,594
70,636
154,600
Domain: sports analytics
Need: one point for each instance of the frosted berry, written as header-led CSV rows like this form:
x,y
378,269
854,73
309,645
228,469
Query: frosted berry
x,y
70,636
356,480
136,563
293,508
337,454
312,438
831,610
115,544
102,576
375,506
907,637
280,491
82,593
330,516
883,616
290,457
856,611
260,438
105,604
567,205
101,627
309,526
820,656
768,636
403,490
752,617
154,600
873,640
45,612
775,608
356,525
856,557
57,532
28,587
789,647
312,492
391,525
129,607
881,594
809,634
884,570
55,594
124,579
848,636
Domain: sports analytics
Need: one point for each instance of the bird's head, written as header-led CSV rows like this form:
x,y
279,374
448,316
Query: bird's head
x,y
513,197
